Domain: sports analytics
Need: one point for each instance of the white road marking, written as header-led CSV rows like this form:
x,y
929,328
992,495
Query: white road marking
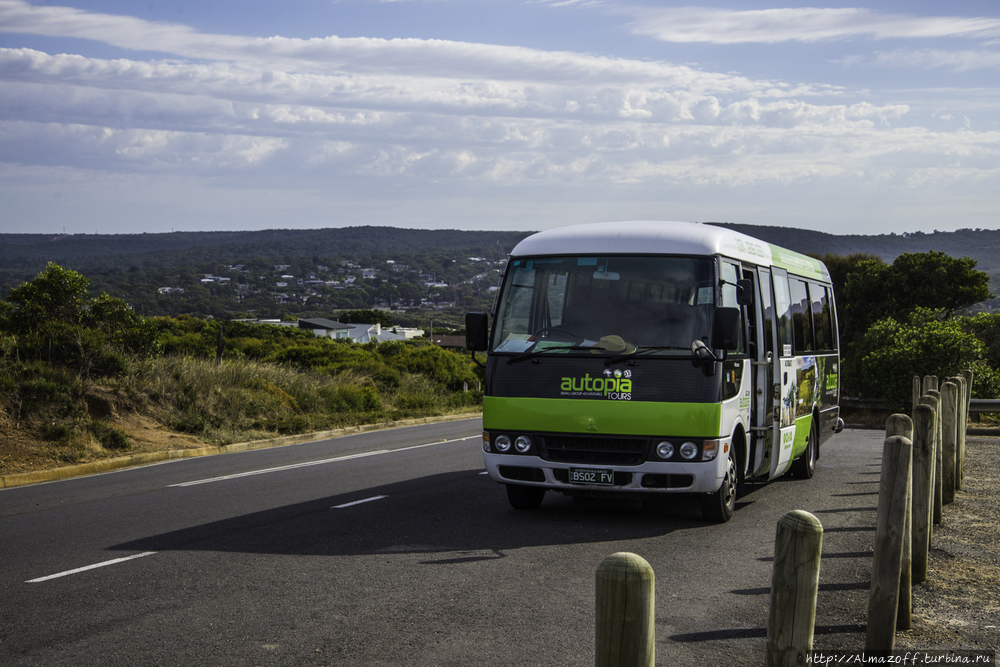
x,y
89,567
357,502
316,463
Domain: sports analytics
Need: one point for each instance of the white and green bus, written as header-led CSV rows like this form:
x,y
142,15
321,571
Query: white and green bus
x,y
656,358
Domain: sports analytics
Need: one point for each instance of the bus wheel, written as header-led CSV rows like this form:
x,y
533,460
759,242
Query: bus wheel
x,y
524,497
719,506
804,467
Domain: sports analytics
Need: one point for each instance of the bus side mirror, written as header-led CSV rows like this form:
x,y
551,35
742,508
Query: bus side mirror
x,y
726,331
744,292
477,331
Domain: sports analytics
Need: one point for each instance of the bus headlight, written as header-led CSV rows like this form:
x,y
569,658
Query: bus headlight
x,y
665,450
522,444
689,450
502,443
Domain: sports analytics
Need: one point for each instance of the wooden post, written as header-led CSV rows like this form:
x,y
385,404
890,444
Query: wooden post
x,y
935,397
220,346
962,426
930,383
902,425
949,437
916,393
899,425
625,601
894,491
798,545
924,429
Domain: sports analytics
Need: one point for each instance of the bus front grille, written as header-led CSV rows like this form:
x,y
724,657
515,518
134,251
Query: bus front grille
x,y
596,450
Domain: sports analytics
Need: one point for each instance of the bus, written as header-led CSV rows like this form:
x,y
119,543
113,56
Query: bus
x,y
656,358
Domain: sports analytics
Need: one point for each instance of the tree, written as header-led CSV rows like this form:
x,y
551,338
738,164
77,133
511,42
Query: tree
x,y
53,319
891,353
55,295
933,280
366,316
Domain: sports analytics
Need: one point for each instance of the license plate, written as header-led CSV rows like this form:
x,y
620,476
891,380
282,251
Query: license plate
x,y
591,476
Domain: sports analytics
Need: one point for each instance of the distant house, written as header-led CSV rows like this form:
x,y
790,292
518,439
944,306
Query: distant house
x,y
365,333
326,328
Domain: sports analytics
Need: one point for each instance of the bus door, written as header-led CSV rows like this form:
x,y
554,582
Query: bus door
x,y
762,338
784,386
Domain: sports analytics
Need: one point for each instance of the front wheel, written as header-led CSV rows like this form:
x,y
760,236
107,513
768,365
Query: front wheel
x,y
719,506
804,467
523,497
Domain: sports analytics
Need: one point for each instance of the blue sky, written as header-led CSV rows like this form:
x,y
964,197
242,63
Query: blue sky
x,y
162,115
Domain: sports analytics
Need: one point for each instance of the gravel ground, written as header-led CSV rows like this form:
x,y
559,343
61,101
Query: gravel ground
x,y
958,607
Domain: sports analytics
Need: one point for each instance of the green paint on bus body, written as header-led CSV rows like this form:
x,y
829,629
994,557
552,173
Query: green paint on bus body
x,y
802,426
694,420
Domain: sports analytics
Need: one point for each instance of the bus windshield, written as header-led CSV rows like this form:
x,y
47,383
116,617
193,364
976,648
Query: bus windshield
x,y
614,305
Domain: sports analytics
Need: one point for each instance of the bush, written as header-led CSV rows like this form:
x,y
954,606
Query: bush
x,y
109,436
890,354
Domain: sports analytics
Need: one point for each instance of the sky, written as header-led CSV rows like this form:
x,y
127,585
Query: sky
x,y
166,115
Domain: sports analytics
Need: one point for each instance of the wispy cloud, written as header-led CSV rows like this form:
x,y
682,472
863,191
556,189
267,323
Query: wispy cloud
x,y
803,24
957,61
353,116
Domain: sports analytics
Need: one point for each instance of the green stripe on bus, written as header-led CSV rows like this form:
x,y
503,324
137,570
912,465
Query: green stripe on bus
x,y
799,264
695,420
802,426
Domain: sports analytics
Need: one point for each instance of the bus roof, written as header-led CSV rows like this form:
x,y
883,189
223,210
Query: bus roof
x,y
646,237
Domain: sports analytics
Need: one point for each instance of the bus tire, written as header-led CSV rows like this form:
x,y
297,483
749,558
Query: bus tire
x,y
718,507
523,497
804,467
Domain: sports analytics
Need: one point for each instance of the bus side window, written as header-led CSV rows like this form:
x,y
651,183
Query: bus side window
x,y
730,274
821,318
783,311
802,323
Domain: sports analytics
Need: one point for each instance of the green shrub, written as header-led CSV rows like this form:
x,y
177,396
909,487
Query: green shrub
x,y
890,354
109,436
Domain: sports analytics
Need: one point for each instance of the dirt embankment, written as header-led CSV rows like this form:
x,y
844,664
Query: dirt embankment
x,y
958,607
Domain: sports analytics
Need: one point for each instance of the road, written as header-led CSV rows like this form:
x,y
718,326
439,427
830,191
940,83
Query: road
x,y
392,548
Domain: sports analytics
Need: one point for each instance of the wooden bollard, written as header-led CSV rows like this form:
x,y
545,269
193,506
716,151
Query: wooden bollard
x,y
949,439
798,545
924,430
902,425
917,393
930,383
883,598
963,425
933,398
625,601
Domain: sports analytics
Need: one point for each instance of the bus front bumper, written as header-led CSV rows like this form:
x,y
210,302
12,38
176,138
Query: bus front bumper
x,y
649,477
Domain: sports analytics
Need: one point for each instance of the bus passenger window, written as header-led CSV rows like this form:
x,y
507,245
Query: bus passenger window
x,y
801,316
821,317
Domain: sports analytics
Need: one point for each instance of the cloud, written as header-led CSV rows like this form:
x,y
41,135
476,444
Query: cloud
x,y
804,24
352,119
956,61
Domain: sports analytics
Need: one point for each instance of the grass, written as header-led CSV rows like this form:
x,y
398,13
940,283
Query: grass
x,y
51,417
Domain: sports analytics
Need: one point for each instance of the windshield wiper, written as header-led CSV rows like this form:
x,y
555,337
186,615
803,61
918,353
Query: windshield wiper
x,y
639,350
538,353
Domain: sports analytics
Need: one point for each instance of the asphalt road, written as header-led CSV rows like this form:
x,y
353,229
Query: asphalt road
x,y
392,548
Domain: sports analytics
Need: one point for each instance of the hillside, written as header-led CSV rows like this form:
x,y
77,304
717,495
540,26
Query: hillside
x,y
97,251
27,251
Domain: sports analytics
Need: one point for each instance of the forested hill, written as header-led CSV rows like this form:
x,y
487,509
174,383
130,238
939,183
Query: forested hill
x,y
29,252
96,251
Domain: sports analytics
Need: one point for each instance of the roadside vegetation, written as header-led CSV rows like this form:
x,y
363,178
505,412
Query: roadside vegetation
x,y
76,371
84,377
